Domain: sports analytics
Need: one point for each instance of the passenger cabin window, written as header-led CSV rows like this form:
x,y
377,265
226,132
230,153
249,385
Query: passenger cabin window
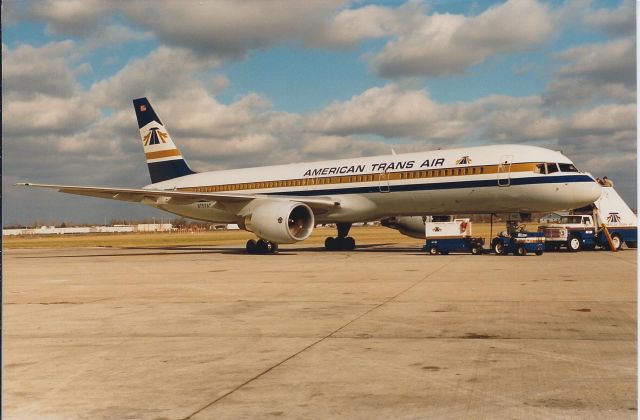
x,y
567,167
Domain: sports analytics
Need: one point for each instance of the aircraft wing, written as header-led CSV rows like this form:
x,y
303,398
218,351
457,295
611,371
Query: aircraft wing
x,y
177,197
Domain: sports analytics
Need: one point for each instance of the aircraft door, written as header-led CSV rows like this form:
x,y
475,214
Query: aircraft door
x,y
383,182
504,170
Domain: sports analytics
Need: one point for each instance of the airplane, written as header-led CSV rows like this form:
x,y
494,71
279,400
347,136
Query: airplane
x,y
282,204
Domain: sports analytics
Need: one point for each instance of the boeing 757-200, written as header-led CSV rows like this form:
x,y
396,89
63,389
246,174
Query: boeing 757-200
x,y
282,204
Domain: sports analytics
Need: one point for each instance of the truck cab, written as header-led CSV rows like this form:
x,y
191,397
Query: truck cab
x,y
574,232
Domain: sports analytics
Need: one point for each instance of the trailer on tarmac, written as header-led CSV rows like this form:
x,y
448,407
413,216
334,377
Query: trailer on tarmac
x,y
607,224
452,236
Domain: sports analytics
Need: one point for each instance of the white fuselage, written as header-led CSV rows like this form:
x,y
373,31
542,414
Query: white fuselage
x,y
489,179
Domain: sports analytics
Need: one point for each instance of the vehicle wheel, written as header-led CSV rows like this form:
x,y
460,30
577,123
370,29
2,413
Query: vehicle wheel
x,y
539,252
574,243
521,251
272,247
433,250
330,244
617,241
498,248
262,246
349,244
632,244
476,250
251,246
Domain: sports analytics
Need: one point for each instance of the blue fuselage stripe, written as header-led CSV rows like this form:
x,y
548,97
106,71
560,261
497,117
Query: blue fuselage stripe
x,y
562,179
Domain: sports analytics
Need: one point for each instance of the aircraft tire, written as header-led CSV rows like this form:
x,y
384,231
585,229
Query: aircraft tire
x,y
330,244
349,244
262,247
251,246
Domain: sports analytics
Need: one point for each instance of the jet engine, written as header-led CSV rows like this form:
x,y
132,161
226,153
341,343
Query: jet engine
x,y
407,225
281,222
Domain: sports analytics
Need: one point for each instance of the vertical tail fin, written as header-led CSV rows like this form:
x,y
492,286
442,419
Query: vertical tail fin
x,y
163,157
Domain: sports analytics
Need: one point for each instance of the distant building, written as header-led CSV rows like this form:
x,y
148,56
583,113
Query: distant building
x,y
553,217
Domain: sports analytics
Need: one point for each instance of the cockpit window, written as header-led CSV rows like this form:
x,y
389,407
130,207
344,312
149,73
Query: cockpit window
x,y
540,169
567,167
551,168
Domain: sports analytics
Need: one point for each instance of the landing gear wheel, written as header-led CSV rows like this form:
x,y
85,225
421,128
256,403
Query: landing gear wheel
x,y
262,246
521,251
617,242
251,246
574,243
330,244
349,244
433,250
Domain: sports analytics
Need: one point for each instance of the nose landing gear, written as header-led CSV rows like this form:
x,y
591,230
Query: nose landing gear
x,y
261,247
342,242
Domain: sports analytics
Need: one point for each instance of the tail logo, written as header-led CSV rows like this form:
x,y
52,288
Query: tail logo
x,y
613,218
155,136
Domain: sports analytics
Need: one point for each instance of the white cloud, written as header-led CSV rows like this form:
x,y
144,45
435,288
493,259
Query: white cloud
x,y
616,22
351,26
444,44
30,70
47,115
72,17
595,72
226,27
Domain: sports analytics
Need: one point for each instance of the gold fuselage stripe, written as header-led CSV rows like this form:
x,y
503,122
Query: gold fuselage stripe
x,y
350,179
162,154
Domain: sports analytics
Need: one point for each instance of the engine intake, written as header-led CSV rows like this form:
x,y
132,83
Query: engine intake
x,y
281,222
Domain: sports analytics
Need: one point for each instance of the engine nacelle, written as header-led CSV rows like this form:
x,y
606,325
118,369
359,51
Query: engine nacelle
x,y
281,222
407,225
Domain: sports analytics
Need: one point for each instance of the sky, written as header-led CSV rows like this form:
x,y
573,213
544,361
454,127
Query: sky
x,y
263,82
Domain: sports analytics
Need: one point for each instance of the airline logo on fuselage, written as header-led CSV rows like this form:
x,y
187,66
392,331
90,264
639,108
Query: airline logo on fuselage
x,y
155,136
374,167
464,160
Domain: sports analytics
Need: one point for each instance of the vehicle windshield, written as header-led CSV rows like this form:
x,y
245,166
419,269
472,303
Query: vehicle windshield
x,y
571,219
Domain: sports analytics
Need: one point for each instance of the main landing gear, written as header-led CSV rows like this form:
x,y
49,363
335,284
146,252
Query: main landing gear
x,y
261,247
342,242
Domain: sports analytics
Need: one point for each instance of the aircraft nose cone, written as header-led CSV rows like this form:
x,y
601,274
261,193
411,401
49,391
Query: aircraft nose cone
x,y
588,193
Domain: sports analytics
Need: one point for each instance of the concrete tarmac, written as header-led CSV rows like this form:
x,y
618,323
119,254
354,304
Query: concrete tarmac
x,y
380,332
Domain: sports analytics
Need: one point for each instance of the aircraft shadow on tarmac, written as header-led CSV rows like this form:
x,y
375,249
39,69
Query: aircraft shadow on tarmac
x,y
207,249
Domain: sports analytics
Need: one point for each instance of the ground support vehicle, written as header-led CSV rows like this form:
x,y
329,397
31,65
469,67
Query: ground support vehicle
x,y
607,223
515,240
454,236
